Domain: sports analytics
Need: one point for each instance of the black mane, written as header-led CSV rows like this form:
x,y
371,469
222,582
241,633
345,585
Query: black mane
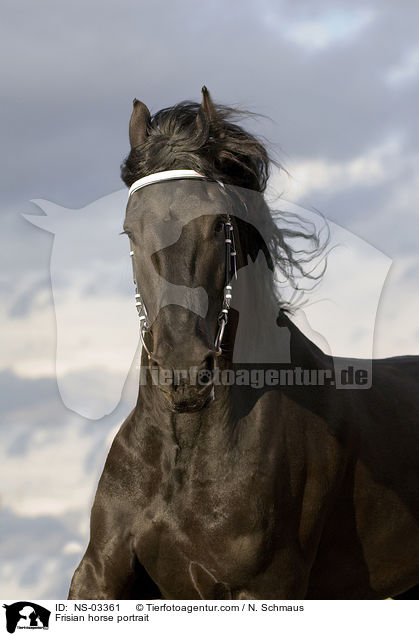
x,y
187,137
184,137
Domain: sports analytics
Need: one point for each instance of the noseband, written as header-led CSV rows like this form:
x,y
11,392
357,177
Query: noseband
x,y
230,257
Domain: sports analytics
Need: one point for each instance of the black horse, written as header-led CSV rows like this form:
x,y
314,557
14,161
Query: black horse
x,y
220,489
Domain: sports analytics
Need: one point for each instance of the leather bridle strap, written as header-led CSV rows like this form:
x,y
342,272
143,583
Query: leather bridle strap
x,y
230,270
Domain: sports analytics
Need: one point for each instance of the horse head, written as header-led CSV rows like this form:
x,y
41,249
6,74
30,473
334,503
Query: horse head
x,y
195,216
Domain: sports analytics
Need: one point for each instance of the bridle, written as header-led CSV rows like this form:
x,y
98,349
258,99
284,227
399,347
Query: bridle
x,y
230,258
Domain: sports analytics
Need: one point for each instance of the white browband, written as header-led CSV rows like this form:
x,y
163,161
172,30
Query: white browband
x,y
167,175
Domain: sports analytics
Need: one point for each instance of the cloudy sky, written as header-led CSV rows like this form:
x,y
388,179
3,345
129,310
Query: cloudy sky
x,y
338,85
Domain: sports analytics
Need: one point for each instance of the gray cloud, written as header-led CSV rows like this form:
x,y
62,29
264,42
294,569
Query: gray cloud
x,y
26,392
71,82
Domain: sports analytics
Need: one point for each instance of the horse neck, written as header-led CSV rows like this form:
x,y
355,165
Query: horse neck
x,y
303,351
264,333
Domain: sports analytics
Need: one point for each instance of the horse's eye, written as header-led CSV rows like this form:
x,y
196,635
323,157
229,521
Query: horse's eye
x,y
218,226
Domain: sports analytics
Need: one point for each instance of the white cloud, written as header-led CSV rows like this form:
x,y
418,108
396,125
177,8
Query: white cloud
x,y
72,547
370,168
321,32
28,342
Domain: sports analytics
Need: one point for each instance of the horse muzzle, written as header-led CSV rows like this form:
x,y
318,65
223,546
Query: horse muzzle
x,y
186,397
190,403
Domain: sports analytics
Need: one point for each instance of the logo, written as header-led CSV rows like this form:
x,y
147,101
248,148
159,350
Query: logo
x,y
26,615
93,294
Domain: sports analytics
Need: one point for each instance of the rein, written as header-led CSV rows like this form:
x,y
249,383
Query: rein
x,y
230,258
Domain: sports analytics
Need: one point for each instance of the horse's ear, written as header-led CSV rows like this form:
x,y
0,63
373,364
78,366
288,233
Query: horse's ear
x,y
207,108
138,123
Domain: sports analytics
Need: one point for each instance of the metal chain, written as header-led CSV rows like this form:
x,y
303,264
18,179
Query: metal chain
x,y
145,325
